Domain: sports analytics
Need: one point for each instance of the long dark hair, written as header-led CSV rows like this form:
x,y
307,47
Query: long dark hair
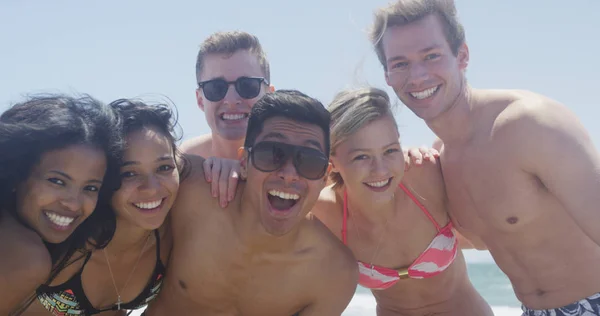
x,y
44,123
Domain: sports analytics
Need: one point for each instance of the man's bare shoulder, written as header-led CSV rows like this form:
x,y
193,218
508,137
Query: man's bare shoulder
x,y
329,246
193,188
326,202
525,109
327,209
335,272
200,145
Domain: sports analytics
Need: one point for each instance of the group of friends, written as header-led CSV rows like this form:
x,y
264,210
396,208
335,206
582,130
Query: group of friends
x,y
297,203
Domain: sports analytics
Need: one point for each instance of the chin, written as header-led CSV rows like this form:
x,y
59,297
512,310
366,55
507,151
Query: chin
x,y
276,227
54,238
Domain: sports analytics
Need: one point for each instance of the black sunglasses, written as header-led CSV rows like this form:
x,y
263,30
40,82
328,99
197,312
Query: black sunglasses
x,y
247,87
269,156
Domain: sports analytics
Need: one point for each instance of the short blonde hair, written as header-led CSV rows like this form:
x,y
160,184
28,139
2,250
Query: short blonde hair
x,y
350,111
403,12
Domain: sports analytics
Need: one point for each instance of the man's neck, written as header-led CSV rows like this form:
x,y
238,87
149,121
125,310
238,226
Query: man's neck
x,y
224,148
455,125
252,233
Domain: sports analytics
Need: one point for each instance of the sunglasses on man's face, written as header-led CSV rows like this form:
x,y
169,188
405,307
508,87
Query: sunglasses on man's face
x,y
247,87
268,156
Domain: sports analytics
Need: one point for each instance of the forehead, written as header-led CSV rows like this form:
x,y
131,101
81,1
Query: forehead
x,y
145,140
375,134
292,132
230,67
422,34
75,159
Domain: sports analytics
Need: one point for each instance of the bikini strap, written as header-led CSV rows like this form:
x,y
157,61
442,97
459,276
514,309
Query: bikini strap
x,y
345,220
412,197
157,236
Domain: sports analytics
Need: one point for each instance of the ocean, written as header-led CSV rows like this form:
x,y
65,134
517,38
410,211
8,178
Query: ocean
x,y
487,278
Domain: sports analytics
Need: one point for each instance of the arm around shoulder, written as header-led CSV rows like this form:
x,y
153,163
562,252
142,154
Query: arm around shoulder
x,y
25,266
554,146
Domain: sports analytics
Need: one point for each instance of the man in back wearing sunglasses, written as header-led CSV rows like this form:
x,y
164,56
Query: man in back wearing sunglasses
x,y
262,255
232,73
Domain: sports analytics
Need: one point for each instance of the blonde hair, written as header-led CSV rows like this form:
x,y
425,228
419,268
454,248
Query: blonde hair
x,y
350,111
403,12
229,43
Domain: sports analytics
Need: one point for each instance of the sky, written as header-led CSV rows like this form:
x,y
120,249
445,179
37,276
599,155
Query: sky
x,y
112,49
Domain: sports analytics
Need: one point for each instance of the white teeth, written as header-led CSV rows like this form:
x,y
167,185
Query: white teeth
x,y
148,205
379,184
425,93
283,195
233,117
58,219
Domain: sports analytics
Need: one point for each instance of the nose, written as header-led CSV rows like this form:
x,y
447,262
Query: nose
x,y
288,172
379,167
418,74
149,185
232,97
72,200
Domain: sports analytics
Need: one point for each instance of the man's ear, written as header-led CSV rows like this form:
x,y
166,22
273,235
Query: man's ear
x,y
271,89
387,78
463,56
331,167
200,99
243,158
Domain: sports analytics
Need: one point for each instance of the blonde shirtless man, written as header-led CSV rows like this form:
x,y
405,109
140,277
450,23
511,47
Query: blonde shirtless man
x,y
522,174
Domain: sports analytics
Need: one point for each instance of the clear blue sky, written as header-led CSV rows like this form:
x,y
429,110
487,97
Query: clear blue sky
x,y
112,49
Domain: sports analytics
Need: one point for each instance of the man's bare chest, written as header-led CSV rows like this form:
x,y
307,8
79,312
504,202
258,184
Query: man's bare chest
x,y
488,191
252,286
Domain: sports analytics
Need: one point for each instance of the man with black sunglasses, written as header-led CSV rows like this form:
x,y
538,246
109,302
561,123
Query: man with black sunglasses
x,y
262,254
232,73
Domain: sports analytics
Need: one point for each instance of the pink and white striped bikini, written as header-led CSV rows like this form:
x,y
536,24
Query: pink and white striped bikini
x,y
440,253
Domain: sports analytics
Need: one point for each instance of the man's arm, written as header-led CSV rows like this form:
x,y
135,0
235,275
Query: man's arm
x,y
556,148
27,266
335,288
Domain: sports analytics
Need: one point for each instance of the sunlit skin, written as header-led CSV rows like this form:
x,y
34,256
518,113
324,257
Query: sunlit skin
x,y
285,179
386,228
150,181
423,60
500,149
227,135
61,191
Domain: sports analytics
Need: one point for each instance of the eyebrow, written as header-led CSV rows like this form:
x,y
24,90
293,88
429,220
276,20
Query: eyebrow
x,y
71,179
132,162
365,149
280,136
424,50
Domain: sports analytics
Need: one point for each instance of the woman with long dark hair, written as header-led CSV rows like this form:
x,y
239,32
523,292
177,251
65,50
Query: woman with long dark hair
x,y
58,158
